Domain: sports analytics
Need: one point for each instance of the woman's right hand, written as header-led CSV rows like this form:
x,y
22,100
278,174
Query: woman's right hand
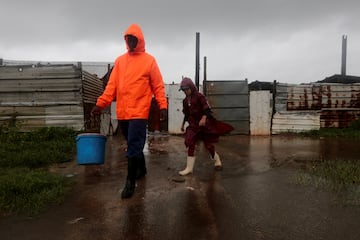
x,y
95,111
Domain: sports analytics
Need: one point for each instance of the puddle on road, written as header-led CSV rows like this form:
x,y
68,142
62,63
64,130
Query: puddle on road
x,y
239,153
156,143
263,153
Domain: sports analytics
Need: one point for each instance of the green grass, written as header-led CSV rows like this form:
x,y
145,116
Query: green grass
x,y
30,191
26,185
339,176
333,133
351,132
338,173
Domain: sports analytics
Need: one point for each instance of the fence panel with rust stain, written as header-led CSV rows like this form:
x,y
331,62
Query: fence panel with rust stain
x,y
337,104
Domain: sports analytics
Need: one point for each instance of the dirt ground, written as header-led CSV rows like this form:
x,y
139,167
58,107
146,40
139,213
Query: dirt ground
x,y
255,196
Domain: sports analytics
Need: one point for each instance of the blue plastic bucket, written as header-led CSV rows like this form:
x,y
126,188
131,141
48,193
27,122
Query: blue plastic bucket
x,y
90,148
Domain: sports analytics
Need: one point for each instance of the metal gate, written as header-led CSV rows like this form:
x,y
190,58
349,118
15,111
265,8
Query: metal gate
x,y
229,101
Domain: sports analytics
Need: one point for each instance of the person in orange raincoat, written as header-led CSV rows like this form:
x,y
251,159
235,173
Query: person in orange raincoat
x,y
134,80
202,125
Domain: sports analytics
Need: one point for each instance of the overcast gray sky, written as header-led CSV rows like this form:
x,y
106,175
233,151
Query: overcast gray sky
x,y
291,41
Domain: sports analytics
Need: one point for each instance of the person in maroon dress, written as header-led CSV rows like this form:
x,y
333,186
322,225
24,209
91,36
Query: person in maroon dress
x,y
202,126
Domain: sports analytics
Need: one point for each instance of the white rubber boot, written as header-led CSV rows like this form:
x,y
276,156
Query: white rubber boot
x,y
217,161
190,161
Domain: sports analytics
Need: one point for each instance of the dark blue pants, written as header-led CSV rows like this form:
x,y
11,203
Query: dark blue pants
x,y
134,132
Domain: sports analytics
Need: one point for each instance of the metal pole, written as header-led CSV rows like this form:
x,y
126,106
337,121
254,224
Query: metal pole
x,y
197,60
343,55
204,81
205,77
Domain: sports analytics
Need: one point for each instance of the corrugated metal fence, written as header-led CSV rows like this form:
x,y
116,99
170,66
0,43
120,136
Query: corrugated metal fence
x,y
39,95
230,102
35,96
313,106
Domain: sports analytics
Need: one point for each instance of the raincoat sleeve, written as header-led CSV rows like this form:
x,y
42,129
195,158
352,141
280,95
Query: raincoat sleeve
x,y
110,90
213,125
185,111
205,105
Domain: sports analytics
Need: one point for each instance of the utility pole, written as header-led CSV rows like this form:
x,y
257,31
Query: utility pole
x,y
197,60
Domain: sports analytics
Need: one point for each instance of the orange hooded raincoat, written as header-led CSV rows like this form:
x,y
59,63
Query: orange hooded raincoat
x,y
134,80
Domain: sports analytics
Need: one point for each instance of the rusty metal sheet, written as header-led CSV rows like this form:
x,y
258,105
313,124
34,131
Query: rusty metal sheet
x,y
303,97
338,118
340,96
338,103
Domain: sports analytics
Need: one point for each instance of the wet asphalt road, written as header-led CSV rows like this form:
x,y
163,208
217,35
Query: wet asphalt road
x,y
255,196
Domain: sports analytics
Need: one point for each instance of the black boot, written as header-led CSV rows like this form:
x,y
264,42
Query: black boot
x,y
129,188
141,167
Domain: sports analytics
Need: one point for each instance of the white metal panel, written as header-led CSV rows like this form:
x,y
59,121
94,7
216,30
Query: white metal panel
x,y
295,122
113,119
260,112
175,114
113,110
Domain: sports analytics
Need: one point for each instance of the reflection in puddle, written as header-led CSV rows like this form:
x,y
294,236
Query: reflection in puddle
x,y
261,153
156,143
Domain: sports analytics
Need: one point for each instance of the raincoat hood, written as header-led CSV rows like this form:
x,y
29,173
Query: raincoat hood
x,y
187,83
136,31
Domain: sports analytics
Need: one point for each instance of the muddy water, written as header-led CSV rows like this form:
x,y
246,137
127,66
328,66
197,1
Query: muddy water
x,y
263,153
254,197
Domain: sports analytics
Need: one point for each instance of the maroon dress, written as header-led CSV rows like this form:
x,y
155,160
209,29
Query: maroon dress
x,y
194,107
